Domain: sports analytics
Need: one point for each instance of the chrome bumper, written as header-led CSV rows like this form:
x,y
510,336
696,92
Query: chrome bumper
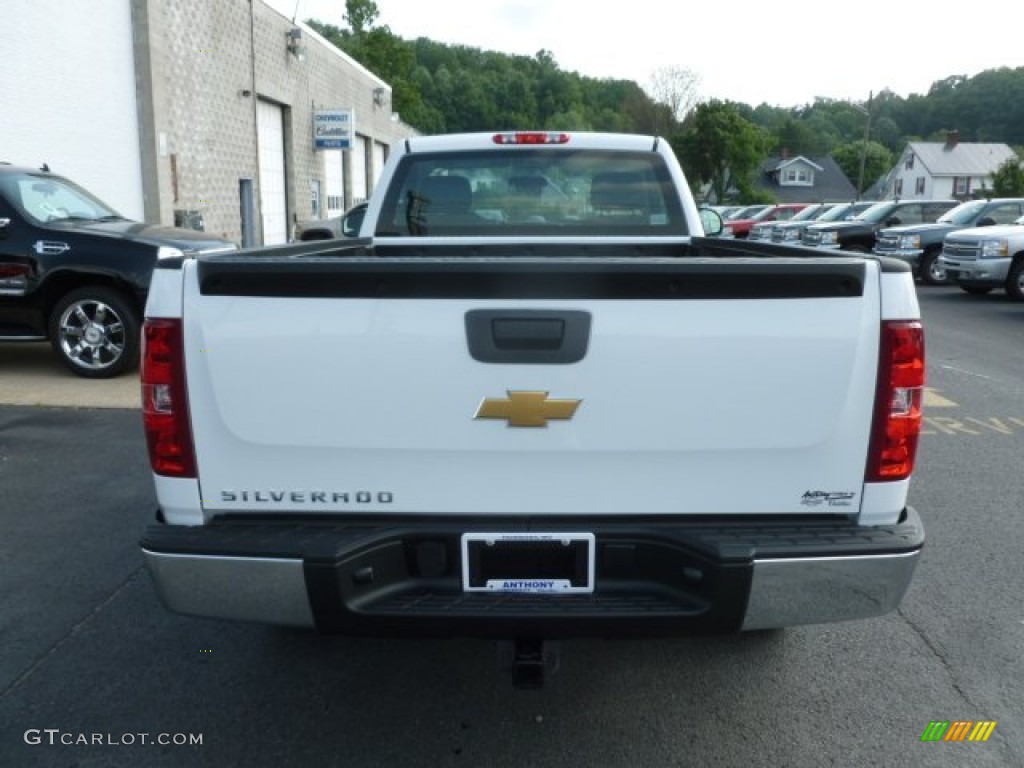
x,y
785,593
653,578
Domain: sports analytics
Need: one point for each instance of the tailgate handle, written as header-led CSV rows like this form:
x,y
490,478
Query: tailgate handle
x,y
554,337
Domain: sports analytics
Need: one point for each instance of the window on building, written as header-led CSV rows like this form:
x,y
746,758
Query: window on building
x,y
909,165
801,176
898,188
791,175
961,185
919,186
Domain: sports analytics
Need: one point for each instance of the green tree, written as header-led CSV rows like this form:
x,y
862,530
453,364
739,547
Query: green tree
x,y
360,15
878,161
798,137
721,148
1008,180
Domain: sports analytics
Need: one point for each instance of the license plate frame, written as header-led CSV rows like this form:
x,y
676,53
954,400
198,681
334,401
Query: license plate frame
x,y
551,563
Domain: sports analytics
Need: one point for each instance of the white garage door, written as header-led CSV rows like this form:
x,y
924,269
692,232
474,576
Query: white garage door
x,y
273,200
67,95
334,176
358,153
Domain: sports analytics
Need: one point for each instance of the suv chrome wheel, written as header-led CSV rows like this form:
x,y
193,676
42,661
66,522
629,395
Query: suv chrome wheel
x,y
95,332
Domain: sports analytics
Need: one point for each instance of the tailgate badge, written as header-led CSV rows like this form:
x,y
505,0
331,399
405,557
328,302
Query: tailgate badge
x,y
526,409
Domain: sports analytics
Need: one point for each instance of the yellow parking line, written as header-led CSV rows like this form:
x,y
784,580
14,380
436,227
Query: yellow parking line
x,y
932,399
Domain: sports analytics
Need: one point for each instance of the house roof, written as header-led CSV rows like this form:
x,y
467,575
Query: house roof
x,y
830,183
783,163
964,159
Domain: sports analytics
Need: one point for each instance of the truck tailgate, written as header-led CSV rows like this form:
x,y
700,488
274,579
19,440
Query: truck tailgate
x,y
704,386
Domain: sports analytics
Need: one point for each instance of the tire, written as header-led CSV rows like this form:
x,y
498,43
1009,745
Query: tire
x,y
976,290
1015,281
95,332
931,272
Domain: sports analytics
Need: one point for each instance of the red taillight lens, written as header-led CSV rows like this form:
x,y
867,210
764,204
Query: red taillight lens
x,y
897,424
531,137
14,270
14,279
164,399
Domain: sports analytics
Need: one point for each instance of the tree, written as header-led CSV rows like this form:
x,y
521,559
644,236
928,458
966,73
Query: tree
x,y
1008,180
676,88
360,15
797,137
720,147
877,162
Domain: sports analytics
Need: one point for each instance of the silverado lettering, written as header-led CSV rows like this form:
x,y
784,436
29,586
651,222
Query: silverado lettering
x,y
310,497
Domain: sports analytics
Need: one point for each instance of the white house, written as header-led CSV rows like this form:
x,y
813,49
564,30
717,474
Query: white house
x,y
952,169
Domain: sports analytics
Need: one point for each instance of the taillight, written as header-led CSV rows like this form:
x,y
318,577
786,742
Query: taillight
x,y
897,423
531,137
164,399
14,279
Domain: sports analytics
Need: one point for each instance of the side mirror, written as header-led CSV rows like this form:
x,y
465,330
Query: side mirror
x,y
4,227
893,221
711,222
353,221
986,221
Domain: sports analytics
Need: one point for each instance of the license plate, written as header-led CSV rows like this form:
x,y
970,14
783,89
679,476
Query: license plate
x,y
544,563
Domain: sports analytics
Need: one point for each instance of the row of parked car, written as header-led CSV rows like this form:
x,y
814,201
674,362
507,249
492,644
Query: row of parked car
x,y
978,244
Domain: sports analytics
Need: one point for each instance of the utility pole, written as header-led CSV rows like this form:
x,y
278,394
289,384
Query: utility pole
x,y
864,149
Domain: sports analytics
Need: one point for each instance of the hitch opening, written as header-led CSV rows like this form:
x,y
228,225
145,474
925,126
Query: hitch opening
x,y
531,661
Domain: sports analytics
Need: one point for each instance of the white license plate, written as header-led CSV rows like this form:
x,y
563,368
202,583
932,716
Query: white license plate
x,y
537,563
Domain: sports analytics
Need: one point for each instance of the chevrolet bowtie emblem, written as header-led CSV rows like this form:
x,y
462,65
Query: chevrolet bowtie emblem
x,y
526,409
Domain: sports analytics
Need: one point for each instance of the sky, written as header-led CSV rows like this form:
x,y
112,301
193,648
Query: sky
x,y
784,54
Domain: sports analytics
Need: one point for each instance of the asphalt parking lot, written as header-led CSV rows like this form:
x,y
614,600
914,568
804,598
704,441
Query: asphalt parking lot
x,y
89,650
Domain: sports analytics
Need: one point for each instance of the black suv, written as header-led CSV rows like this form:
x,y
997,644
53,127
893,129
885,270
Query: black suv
x,y
920,244
75,272
858,234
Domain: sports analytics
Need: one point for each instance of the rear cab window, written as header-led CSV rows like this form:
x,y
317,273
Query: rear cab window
x,y
544,193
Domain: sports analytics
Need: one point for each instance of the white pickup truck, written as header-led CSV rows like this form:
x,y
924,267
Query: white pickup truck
x,y
531,410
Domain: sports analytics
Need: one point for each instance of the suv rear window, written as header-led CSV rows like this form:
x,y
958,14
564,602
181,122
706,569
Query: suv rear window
x,y
523,192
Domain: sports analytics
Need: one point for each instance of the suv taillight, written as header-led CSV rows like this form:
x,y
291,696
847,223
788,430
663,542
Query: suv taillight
x,y
897,422
165,400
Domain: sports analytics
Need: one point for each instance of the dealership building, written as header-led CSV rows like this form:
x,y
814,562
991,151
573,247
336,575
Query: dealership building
x,y
219,114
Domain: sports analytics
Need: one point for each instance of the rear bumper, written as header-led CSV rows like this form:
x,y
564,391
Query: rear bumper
x,y
653,578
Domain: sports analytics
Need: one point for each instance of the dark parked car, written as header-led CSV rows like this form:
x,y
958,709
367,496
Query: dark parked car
x,y
75,272
346,225
920,244
858,234
791,231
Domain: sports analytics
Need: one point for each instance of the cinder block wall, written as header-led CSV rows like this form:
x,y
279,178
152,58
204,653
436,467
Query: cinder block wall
x,y
208,63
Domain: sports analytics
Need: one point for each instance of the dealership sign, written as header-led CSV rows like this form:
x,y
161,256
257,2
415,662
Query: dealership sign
x,y
333,128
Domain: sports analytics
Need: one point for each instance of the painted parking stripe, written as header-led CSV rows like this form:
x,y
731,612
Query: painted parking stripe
x,y
932,399
947,425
